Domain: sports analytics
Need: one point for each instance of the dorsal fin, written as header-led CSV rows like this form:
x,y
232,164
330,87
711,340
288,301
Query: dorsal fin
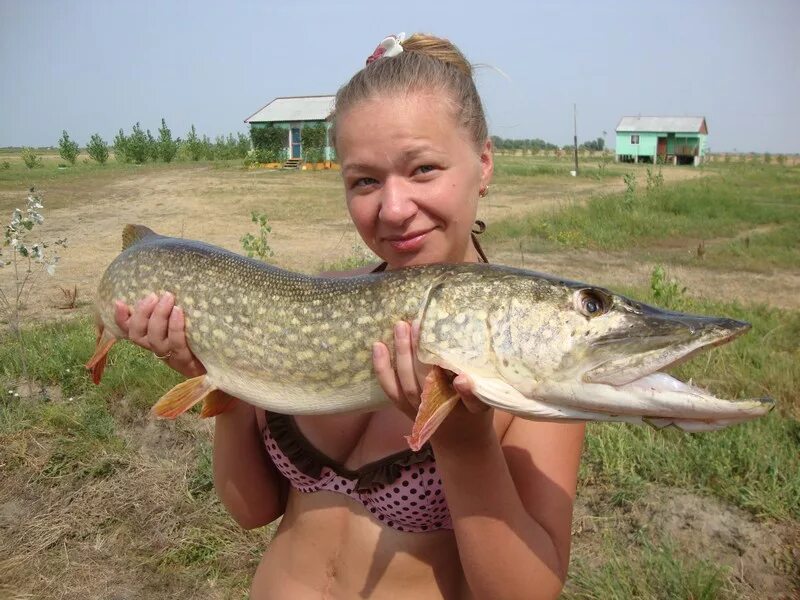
x,y
133,233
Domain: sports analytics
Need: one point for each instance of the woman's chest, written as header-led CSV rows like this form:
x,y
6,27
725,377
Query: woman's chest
x,y
355,440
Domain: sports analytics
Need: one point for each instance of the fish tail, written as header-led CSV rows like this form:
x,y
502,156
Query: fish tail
x,y
188,393
97,363
439,398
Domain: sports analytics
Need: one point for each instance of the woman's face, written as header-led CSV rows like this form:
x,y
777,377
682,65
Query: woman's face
x,y
412,177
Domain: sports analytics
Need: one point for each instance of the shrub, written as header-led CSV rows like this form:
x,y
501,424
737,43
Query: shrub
x,y
68,149
258,246
312,138
193,145
121,147
152,147
167,147
97,149
30,158
27,259
269,143
138,146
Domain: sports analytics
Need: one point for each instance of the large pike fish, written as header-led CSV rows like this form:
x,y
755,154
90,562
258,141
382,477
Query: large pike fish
x,y
534,345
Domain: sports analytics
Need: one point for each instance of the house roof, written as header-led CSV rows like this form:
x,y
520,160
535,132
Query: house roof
x,y
663,124
294,108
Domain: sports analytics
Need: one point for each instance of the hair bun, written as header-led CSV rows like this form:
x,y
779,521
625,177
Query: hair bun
x,y
438,48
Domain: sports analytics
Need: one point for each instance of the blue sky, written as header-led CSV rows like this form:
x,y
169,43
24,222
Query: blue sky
x,y
91,66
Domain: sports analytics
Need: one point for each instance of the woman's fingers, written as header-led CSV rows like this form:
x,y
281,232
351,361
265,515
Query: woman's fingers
x,y
181,357
122,314
387,378
405,364
158,325
464,386
138,323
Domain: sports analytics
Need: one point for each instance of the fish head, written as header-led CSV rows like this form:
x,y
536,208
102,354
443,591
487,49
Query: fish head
x,y
527,327
625,340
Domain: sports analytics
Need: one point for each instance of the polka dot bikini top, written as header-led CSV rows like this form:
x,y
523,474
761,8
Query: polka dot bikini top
x,y
403,490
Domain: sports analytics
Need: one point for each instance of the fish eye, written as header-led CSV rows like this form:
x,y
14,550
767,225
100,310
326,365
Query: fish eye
x,y
591,303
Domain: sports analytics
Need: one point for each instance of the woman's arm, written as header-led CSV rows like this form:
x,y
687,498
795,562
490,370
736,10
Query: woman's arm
x,y
246,481
511,503
510,499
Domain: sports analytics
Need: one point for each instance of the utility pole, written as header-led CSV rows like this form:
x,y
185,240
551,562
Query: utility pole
x,y
575,134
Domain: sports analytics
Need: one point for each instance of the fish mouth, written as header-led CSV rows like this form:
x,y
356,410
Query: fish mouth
x,y
657,344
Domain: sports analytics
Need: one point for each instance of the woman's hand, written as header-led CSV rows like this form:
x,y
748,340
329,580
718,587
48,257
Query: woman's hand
x,y
156,324
403,385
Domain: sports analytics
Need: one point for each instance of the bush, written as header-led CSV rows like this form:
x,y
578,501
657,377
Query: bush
x,y
167,147
121,147
269,143
30,158
313,139
97,149
68,149
138,146
193,145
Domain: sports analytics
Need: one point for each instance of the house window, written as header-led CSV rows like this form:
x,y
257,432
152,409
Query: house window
x,y
634,139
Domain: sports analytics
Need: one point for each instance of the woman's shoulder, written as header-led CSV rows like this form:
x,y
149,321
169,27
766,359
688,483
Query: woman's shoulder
x,y
352,272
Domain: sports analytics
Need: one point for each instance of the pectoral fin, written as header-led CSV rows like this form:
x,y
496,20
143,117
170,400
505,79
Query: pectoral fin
x,y
188,393
97,363
438,399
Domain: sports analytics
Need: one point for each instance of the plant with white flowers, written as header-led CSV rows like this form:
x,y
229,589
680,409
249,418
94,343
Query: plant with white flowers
x,y
27,258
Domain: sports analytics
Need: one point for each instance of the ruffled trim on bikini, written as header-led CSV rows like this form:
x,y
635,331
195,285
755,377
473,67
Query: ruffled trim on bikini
x,y
310,461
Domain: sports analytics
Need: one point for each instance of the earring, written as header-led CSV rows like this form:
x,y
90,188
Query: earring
x,y
484,191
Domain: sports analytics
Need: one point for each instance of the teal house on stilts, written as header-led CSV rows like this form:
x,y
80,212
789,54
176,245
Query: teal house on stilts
x,y
663,140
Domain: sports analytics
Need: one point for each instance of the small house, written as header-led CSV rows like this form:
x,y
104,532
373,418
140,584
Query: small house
x,y
665,140
292,114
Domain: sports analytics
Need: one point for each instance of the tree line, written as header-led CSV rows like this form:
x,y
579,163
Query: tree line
x,y
141,146
536,145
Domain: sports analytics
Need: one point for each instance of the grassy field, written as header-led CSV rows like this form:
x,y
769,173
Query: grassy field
x,y
96,500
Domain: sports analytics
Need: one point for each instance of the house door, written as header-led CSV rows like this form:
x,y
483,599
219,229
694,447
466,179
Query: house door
x,y
296,142
662,148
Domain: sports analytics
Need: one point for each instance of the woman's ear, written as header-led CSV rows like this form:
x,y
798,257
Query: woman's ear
x,y
487,162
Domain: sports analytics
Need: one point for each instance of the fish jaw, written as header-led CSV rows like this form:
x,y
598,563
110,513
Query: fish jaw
x,y
657,400
654,341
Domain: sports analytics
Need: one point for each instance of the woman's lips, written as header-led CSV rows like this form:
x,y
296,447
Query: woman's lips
x,y
408,243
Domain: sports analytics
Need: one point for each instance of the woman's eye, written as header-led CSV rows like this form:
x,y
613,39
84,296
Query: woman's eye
x,y
364,181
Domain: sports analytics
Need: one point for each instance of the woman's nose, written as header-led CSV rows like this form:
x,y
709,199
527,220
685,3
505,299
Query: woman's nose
x,y
397,204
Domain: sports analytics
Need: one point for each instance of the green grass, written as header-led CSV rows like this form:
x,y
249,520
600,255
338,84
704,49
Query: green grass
x,y
647,572
755,465
731,202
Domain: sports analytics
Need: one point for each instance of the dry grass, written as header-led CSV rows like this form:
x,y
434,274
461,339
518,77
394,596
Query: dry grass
x,y
133,532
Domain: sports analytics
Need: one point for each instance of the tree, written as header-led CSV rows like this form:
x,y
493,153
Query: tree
x,y
97,149
30,158
68,149
138,146
167,147
121,147
194,147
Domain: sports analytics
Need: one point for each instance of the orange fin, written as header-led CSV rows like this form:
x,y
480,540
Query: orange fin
x,y
183,397
215,403
438,399
97,363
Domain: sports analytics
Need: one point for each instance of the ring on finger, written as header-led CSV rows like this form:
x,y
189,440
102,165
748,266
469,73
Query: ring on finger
x,y
165,356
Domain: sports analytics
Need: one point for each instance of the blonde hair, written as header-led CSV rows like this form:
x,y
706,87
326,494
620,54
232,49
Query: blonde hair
x,y
427,63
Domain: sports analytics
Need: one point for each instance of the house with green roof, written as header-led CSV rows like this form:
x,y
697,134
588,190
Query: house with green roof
x,y
664,140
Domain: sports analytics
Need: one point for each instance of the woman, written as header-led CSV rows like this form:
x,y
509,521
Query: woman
x,y
484,510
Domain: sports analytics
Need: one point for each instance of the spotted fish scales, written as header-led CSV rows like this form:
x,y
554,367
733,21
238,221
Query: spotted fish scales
x,y
535,345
